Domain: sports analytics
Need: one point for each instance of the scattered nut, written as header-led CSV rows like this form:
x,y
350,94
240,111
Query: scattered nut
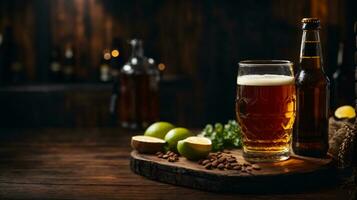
x,y
215,163
238,167
222,159
228,166
234,164
256,167
208,166
220,166
205,162
170,156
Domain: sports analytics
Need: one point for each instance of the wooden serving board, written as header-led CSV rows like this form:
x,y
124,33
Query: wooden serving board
x,y
294,174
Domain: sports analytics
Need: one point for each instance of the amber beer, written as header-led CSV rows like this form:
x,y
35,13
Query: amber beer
x,y
310,136
265,108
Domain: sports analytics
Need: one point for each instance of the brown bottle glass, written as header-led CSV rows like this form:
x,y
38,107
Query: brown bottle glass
x,y
310,137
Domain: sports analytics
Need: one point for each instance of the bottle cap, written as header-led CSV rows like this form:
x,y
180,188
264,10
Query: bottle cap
x,y
310,23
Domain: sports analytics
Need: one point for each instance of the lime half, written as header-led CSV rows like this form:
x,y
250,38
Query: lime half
x,y
194,148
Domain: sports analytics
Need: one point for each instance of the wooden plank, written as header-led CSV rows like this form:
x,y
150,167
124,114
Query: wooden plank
x,y
294,172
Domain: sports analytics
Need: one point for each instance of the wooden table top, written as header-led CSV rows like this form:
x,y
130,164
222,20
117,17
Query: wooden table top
x,y
94,164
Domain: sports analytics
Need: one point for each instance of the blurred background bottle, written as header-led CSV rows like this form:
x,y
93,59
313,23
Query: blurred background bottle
x,y
138,89
55,68
12,69
68,63
355,61
343,80
104,68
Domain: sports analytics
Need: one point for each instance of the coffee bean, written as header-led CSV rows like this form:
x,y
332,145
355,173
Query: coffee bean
x,y
158,153
205,162
234,164
165,156
256,167
208,166
228,166
200,162
212,159
215,163
160,156
238,167
222,159
231,160
171,159
220,166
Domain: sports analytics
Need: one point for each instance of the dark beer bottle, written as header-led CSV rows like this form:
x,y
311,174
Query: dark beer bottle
x,y
342,85
310,136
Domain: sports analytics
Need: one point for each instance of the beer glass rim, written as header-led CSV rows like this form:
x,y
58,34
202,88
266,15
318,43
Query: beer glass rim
x,y
249,63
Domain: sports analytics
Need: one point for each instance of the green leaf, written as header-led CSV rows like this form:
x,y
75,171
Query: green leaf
x,y
223,136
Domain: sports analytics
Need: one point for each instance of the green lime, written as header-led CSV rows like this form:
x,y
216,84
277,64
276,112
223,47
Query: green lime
x,y
175,135
158,129
194,148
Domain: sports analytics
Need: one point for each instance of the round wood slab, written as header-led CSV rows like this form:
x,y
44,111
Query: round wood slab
x,y
294,174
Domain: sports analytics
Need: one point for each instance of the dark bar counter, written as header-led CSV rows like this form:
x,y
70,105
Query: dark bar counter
x,y
93,163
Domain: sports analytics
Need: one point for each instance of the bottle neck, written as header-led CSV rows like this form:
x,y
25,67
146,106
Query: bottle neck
x,y
137,50
311,48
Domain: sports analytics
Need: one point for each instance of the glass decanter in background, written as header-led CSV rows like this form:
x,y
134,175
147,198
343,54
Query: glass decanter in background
x,y
138,93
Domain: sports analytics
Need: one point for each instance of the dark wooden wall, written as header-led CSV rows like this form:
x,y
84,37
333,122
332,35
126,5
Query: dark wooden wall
x,y
176,33
201,40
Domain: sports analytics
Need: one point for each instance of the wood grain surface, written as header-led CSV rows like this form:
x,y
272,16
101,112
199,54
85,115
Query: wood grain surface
x,y
95,164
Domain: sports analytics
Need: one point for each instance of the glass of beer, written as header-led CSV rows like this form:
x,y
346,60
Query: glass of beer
x,y
265,108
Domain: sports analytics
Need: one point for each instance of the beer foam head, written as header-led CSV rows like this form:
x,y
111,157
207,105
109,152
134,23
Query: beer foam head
x,y
265,80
